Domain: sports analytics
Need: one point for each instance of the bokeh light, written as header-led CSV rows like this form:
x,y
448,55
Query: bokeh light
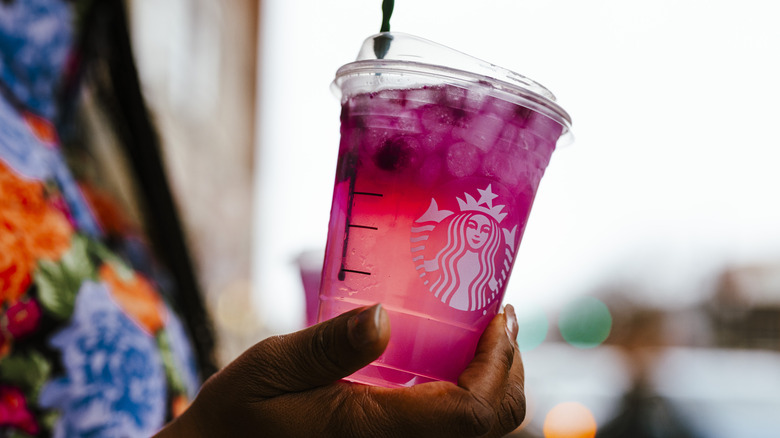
x,y
532,326
569,420
585,322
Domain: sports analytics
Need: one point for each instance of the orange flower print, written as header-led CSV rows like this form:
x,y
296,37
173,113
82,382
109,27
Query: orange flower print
x,y
30,229
41,128
179,404
137,298
15,266
50,237
108,214
20,193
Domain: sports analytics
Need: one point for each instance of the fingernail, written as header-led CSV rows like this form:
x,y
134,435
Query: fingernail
x,y
363,328
511,322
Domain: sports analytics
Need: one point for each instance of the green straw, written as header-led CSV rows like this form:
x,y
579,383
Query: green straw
x,y
387,12
382,42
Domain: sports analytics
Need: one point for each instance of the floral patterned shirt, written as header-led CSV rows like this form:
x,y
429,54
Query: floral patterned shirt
x,y
88,345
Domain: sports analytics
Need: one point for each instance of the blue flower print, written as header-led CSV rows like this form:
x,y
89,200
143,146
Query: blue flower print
x,y
35,41
115,381
19,147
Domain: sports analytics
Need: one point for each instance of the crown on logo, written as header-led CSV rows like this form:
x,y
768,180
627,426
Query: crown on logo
x,y
486,197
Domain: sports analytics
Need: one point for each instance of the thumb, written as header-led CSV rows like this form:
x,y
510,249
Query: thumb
x,y
318,355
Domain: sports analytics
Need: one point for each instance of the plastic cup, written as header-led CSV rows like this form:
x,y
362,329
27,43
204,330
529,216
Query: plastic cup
x,y
310,269
439,161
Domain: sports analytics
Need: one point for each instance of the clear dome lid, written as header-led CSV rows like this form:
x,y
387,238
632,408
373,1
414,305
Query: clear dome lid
x,y
404,54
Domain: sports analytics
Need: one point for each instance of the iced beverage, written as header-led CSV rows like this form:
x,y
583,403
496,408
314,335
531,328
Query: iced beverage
x,y
436,175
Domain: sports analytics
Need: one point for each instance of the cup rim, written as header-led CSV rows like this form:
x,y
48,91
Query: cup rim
x,y
451,65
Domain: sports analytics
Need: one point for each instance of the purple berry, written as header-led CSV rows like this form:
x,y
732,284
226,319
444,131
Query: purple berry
x,y
397,153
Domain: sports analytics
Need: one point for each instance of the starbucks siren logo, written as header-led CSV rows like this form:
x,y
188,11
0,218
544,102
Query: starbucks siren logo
x,y
467,266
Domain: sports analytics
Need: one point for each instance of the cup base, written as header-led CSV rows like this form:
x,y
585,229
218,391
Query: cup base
x,y
378,375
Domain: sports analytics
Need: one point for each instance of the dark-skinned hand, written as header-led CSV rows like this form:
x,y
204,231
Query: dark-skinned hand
x,y
289,386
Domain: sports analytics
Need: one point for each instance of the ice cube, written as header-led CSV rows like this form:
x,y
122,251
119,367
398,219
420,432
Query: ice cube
x,y
529,183
502,166
483,131
463,159
508,137
532,148
407,122
539,146
513,138
475,99
432,141
402,121
501,108
533,159
527,140
464,101
438,118
376,121
452,96
384,104
359,104
545,147
418,97
545,127
354,111
349,117
396,97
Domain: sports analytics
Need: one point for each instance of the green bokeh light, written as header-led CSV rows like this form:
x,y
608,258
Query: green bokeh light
x,y
532,327
585,322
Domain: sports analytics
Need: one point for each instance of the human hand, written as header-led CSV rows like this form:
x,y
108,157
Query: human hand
x,y
289,386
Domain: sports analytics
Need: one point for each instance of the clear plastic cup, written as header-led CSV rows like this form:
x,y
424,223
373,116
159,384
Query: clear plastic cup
x,y
440,158
309,265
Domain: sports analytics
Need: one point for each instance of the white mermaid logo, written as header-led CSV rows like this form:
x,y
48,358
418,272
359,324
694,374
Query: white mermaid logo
x,y
464,273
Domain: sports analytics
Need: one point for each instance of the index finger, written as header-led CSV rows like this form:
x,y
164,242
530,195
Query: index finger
x,y
487,375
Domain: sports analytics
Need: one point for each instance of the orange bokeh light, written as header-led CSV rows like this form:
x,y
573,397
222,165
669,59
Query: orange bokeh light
x,y
569,420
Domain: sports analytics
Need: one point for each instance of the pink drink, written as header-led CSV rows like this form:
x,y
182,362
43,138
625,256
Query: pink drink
x,y
433,190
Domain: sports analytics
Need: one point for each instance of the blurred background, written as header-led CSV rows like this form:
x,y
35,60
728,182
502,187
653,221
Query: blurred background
x,y
648,280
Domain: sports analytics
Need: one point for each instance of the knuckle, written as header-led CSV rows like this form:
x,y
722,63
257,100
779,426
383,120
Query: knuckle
x,y
341,407
513,409
508,356
262,369
353,414
323,350
478,417
264,353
